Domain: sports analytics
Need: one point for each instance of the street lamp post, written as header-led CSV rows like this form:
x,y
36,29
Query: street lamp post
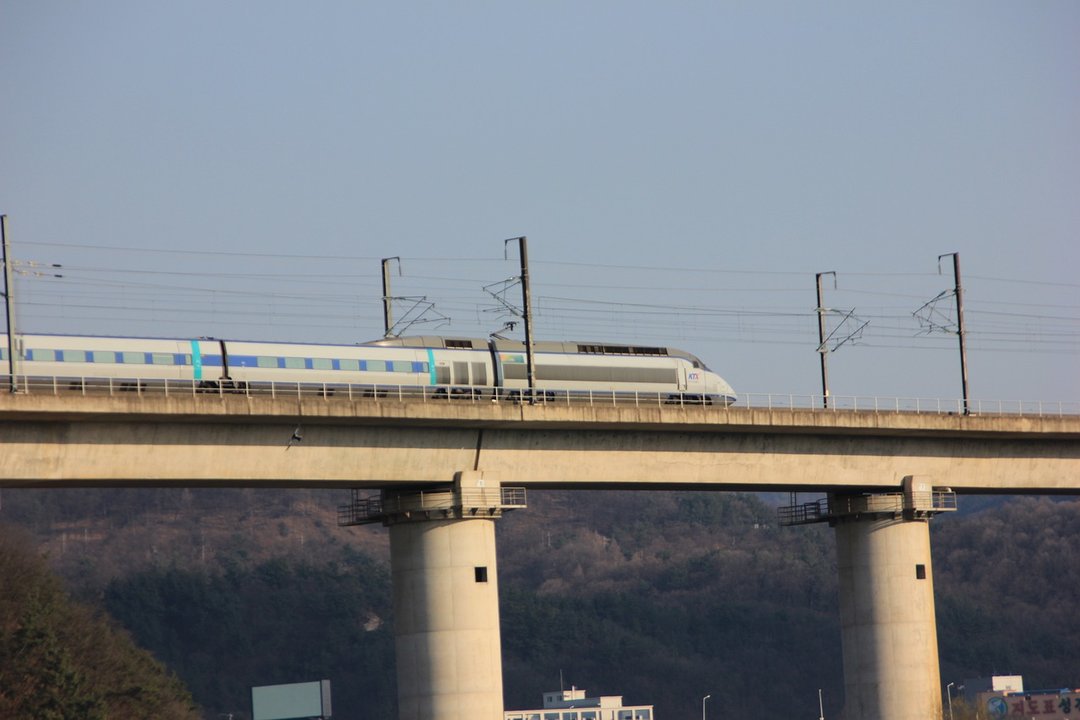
x,y
703,706
948,691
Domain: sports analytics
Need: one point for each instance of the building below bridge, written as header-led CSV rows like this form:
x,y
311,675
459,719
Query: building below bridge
x,y
1003,697
573,704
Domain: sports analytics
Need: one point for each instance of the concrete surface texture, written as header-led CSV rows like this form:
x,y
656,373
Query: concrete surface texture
x,y
154,440
887,620
446,615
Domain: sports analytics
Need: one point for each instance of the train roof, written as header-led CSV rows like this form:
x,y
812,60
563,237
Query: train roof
x,y
569,347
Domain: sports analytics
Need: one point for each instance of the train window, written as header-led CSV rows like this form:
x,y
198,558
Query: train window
x,y
43,355
620,350
78,356
184,359
461,373
644,375
402,366
514,372
577,373
103,356
442,375
162,358
322,364
133,358
3,354
376,365
573,372
265,361
295,363
479,374
459,343
353,365
420,367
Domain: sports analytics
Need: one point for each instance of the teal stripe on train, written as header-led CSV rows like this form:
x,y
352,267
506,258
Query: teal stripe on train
x,y
431,366
196,359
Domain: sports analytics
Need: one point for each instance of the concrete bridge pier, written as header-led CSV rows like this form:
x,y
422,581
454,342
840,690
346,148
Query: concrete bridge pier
x,y
446,596
888,626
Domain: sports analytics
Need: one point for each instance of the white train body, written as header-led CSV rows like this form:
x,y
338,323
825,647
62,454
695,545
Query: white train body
x,y
454,366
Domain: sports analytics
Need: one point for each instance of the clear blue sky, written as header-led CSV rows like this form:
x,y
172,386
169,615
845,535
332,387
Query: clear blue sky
x,y
681,170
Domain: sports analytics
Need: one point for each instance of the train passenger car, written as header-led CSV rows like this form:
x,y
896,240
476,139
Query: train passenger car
x,y
76,358
255,362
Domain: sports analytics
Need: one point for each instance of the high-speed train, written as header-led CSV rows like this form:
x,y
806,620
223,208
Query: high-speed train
x,y
474,367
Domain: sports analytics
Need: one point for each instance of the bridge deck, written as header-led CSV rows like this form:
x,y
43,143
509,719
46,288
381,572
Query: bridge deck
x,y
187,439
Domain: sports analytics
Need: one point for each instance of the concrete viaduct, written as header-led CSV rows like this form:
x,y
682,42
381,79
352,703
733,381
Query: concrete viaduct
x,y
446,470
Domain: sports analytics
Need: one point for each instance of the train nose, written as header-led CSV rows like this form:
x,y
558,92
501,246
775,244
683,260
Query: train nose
x,y
721,388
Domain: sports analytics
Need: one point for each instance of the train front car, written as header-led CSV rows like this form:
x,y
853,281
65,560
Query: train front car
x,y
703,383
579,370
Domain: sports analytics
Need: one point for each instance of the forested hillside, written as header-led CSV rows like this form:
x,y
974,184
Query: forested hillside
x,y
61,660
662,597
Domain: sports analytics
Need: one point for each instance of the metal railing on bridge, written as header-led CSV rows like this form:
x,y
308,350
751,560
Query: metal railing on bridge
x,y
354,392
839,505
364,509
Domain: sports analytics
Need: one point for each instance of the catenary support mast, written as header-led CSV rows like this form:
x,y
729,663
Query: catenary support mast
x,y
9,306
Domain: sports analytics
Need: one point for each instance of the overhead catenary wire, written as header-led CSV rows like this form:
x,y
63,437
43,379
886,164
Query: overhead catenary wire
x,y
280,288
